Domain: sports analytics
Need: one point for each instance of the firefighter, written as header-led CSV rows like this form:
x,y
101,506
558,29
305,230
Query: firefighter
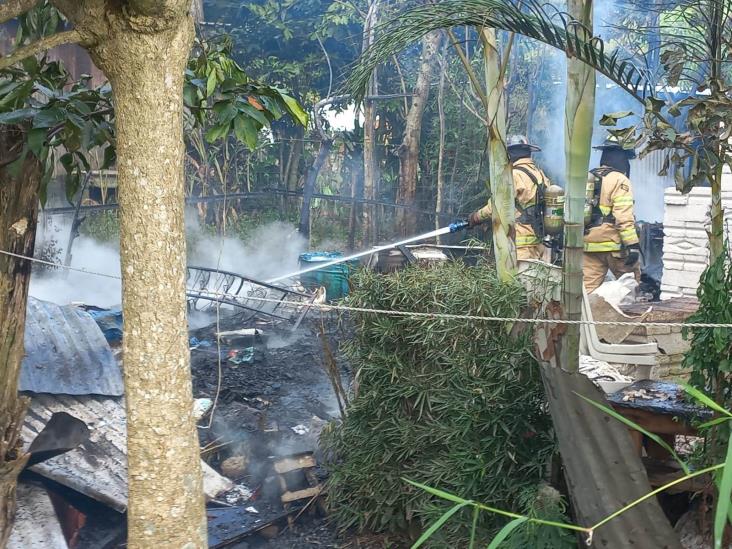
x,y
611,241
529,184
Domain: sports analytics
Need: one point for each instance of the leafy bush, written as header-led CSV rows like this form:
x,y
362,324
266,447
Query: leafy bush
x,y
457,405
710,353
102,226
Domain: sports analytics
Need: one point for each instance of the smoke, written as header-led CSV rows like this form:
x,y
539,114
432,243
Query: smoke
x,y
271,250
64,287
549,122
548,126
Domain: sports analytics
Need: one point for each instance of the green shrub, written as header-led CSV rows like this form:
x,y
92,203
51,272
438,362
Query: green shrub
x,y
457,405
102,226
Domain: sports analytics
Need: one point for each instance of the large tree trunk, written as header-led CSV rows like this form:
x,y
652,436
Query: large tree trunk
x,y
144,59
409,149
18,217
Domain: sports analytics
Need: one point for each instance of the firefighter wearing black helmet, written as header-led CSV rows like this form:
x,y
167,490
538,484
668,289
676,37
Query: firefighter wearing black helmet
x,y
611,240
529,184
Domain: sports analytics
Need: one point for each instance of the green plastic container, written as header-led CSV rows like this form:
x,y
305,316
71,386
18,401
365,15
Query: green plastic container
x,y
333,278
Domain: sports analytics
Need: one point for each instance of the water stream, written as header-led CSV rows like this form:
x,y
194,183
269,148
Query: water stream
x,y
444,230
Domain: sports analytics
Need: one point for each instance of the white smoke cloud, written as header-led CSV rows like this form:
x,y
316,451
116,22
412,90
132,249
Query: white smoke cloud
x,y
272,250
63,287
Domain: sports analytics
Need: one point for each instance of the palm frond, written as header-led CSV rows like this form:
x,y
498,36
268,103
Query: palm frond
x,y
529,18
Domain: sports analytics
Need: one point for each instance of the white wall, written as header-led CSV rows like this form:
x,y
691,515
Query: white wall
x,y
685,244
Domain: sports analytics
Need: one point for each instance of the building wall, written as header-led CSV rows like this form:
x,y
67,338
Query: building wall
x,y
685,243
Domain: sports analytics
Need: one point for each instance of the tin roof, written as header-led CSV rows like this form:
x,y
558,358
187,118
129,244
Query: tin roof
x,y
66,353
97,468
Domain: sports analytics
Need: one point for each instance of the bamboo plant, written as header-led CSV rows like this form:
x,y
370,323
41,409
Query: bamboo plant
x,y
579,115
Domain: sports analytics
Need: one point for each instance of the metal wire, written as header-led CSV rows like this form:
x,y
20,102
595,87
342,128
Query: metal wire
x,y
413,314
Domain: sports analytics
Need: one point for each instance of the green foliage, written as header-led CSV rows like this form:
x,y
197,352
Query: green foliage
x,y
543,503
102,226
710,355
455,405
710,360
70,119
220,94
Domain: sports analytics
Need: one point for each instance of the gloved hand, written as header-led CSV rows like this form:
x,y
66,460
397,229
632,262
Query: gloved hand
x,y
474,220
633,255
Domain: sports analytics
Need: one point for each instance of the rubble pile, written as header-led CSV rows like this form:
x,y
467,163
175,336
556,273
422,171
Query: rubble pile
x,y
262,399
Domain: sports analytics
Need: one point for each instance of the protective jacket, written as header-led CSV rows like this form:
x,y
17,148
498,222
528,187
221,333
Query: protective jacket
x,y
612,225
527,177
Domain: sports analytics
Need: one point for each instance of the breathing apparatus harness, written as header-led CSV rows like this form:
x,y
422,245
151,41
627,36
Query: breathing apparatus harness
x,y
533,215
596,216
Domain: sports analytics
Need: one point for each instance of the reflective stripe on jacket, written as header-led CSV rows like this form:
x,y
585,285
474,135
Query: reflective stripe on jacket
x,y
525,191
616,199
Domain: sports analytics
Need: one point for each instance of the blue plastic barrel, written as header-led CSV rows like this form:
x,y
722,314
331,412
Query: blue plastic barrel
x,y
334,277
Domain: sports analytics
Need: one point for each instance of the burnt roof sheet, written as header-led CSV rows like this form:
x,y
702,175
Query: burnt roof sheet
x,y
96,468
66,353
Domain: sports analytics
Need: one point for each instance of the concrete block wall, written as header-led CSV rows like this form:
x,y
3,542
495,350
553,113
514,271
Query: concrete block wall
x,y
685,243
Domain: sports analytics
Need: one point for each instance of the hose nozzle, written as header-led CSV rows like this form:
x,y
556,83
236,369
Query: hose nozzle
x,y
458,226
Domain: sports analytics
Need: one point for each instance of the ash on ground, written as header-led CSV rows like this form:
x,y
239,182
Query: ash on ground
x,y
272,399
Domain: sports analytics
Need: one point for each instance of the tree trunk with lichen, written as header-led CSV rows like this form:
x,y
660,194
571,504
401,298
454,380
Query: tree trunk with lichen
x,y
18,217
144,58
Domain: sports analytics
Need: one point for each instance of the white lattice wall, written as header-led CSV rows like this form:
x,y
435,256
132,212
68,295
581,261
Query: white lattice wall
x,y
685,243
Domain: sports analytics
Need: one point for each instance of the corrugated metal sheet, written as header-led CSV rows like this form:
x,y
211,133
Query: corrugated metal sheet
x,y
593,446
98,467
36,523
66,353
648,186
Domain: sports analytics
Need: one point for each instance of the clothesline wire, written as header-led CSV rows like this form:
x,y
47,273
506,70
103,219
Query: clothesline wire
x,y
214,295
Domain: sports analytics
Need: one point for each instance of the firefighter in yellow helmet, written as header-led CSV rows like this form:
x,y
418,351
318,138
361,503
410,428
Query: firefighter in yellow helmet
x,y
611,240
529,184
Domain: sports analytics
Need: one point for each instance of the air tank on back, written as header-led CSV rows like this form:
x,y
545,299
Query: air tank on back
x,y
553,210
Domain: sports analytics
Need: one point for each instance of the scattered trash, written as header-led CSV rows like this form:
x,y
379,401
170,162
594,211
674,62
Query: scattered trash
x,y
300,430
195,343
241,356
214,484
244,335
201,406
619,292
109,321
238,495
604,375
252,510
646,395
